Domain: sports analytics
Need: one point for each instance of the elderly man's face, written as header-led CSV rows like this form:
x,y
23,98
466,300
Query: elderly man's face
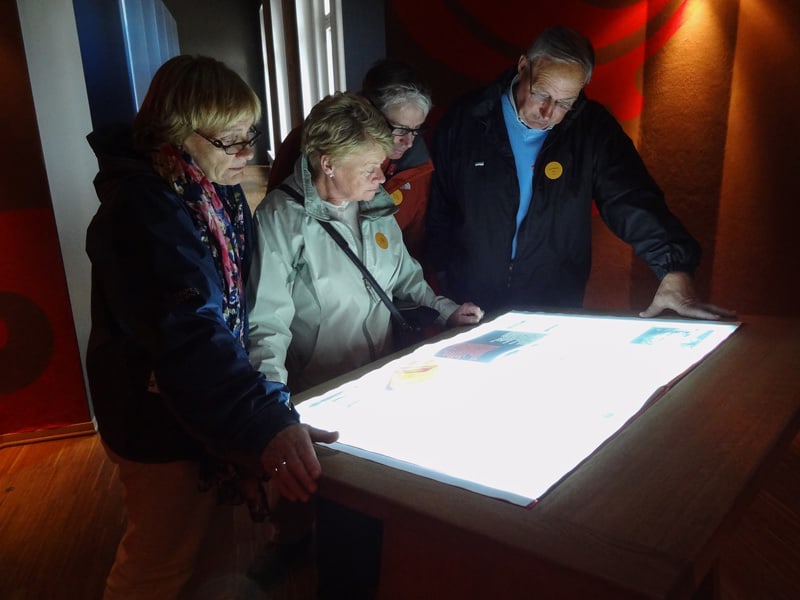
x,y
546,91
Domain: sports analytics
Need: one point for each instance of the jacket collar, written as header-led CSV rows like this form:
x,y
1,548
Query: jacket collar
x,y
415,156
380,206
489,100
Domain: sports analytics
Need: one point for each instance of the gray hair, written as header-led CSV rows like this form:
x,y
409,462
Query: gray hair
x,y
563,45
390,83
396,95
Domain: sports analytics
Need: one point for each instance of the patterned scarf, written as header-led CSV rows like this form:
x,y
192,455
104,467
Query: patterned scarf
x,y
218,215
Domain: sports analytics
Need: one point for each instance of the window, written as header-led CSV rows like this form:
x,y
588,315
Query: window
x,y
122,43
303,57
321,50
151,38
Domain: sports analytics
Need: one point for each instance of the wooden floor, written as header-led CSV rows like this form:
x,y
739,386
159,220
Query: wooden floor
x,y
61,517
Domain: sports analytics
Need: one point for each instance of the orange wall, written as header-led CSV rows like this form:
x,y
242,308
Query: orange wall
x,y
706,89
757,255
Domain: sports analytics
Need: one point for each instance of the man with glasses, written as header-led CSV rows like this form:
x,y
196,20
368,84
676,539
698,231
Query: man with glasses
x,y
518,165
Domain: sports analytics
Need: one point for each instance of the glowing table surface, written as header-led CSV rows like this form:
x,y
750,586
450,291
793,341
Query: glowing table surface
x,y
642,516
567,383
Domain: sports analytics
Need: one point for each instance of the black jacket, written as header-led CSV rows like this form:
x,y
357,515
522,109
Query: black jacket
x,y
156,308
475,194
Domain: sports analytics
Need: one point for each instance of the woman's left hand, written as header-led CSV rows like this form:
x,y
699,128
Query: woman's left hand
x,y
291,462
466,314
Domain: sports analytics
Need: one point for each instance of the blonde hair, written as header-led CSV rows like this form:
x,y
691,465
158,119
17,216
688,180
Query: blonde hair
x,y
192,93
340,125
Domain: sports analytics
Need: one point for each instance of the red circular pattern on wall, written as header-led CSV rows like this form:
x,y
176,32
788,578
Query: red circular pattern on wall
x,y
478,41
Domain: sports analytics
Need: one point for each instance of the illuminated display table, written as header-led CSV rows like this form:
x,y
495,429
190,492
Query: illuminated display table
x,y
642,517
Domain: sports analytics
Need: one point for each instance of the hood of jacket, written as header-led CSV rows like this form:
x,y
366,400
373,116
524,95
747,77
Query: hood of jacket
x,y
117,160
380,206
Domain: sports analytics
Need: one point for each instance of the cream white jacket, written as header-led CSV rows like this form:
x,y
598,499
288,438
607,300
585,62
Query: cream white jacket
x,y
312,316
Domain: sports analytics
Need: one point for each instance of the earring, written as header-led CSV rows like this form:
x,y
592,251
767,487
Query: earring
x,y
330,174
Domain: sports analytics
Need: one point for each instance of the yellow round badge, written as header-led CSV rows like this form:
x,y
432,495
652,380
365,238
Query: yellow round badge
x,y
553,170
381,240
397,197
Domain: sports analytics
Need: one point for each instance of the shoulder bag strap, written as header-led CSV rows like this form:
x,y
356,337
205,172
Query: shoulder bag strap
x,y
337,237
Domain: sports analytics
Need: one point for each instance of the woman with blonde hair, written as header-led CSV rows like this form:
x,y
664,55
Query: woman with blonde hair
x,y
171,383
399,93
313,315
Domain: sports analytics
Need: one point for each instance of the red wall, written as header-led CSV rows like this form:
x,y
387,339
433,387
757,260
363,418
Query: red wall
x,y
41,384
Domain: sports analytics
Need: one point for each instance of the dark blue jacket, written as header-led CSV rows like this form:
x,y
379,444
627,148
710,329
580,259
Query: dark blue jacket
x,y
156,309
475,194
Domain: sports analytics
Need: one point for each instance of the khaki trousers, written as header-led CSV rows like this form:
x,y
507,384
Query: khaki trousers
x,y
167,519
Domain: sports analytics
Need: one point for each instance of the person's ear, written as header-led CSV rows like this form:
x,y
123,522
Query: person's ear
x,y
326,164
522,64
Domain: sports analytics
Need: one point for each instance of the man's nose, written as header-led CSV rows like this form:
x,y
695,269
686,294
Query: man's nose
x,y
547,108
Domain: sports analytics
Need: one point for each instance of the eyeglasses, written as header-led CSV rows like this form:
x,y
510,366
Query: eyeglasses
x,y
545,98
235,147
401,131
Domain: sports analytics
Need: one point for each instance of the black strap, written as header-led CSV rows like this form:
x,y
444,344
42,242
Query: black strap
x,y
337,237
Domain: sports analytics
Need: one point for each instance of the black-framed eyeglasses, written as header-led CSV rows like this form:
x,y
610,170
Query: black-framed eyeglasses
x,y
236,147
399,131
